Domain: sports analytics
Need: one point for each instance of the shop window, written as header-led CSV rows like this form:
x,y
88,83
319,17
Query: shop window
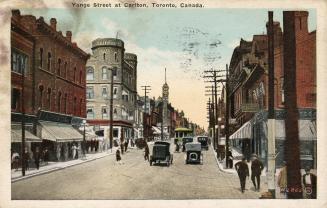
x,y
15,98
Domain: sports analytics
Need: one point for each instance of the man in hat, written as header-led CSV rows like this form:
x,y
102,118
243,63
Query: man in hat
x,y
310,184
256,168
242,171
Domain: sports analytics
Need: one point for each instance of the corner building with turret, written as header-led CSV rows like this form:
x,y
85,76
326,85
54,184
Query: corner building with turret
x,y
109,59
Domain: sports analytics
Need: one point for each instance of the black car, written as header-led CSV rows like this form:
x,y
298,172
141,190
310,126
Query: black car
x,y
161,152
204,140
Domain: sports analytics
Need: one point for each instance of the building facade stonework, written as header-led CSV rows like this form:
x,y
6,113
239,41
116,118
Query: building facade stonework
x,y
109,61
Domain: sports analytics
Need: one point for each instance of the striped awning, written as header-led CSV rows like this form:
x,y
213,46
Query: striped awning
x,y
245,132
16,136
59,132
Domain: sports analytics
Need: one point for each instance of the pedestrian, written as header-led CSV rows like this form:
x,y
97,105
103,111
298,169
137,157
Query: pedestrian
x,y
74,151
146,152
26,159
46,156
282,180
256,168
230,159
310,184
15,160
126,145
118,157
37,158
242,171
247,152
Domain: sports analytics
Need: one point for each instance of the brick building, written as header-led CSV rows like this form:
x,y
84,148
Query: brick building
x,y
54,82
249,92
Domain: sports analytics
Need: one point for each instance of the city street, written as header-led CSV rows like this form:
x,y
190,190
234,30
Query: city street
x,y
135,179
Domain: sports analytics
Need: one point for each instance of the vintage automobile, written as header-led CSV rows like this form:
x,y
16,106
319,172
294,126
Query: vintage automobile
x,y
186,140
161,153
193,153
204,140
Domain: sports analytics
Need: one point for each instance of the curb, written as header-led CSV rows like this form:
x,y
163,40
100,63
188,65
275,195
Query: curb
x,y
220,168
13,180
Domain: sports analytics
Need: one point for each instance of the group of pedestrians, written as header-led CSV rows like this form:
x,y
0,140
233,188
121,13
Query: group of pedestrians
x,y
243,172
27,157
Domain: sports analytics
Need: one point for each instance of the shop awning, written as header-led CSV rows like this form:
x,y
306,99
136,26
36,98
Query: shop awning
x,y
307,129
16,136
59,132
89,133
245,132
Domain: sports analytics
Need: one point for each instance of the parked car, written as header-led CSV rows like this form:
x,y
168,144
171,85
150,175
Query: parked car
x,y
204,140
161,153
193,153
186,140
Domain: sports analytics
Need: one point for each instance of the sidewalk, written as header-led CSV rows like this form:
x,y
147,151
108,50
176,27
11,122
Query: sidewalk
x,y
54,166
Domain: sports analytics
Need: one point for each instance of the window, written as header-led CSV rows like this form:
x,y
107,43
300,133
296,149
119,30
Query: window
x,y
282,90
41,57
75,74
104,56
90,113
80,76
19,62
89,73
115,113
80,106
15,98
49,98
115,92
65,103
104,113
114,73
40,96
104,73
116,57
58,69
59,102
90,93
104,92
65,69
49,61
75,105
115,132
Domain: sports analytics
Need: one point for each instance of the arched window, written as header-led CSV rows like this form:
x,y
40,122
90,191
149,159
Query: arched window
x,y
80,76
80,107
114,73
74,74
41,57
104,73
58,69
65,70
89,73
65,103
41,88
59,102
49,61
116,57
49,98
104,56
75,106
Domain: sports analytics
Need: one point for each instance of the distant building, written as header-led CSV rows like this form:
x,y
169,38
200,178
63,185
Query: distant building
x,y
109,59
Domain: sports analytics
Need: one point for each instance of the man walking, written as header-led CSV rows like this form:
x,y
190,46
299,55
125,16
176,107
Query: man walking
x,y
310,184
242,171
37,158
256,168
146,152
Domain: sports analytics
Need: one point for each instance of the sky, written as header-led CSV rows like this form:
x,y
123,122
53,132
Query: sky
x,y
184,41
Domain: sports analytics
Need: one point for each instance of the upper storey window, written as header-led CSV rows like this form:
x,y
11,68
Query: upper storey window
x,y
89,73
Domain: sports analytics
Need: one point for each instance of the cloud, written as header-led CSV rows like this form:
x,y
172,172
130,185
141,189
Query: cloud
x,y
234,43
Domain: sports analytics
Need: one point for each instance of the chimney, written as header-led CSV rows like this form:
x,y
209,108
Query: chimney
x,y
75,44
53,23
69,35
15,12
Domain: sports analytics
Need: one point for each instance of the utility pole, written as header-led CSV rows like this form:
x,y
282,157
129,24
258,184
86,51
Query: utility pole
x,y
292,143
227,115
23,122
146,89
213,76
271,107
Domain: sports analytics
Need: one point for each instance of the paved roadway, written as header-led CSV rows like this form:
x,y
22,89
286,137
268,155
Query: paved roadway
x,y
135,179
